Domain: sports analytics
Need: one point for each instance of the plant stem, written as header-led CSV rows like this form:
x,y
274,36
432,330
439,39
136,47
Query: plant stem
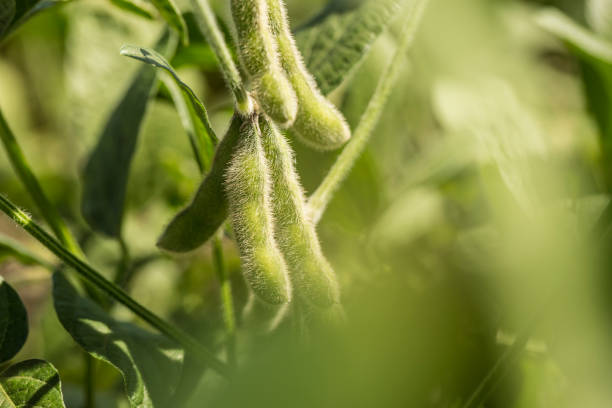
x,y
340,170
95,278
90,364
209,27
23,170
123,268
229,318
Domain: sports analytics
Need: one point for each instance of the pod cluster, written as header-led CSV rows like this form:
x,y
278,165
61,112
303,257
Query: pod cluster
x,y
282,86
278,244
253,179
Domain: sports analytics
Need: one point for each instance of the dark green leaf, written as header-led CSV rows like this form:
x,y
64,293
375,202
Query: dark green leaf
x,y
12,249
134,8
14,14
335,47
195,224
106,173
29,384
173,17
13,323
7,14
150,364
191,110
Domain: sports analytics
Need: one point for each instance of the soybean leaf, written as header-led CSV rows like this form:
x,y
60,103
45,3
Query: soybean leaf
x,y
138,9
13,13
207,211
13,323
170,12
595,55
12,249
150,364
489,112
191,110
107,170
335,47
31,383
7,14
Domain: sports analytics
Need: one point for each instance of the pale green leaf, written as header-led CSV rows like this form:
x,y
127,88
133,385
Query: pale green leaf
x,y
489,112
191,110
31,384
13,323
151,365
594,53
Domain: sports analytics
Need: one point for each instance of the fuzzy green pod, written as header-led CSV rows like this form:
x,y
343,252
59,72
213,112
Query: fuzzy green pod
x,y
197,223
313,277
318,124
259,55
247,185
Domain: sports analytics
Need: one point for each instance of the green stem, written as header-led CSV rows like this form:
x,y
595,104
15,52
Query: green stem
x,y
209,27
90,401
229,317
340,170
95,278
123,269
23,170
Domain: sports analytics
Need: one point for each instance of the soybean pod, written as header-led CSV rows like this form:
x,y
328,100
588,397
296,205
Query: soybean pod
x,y
197,223
247,185
318,124
258,52
313,278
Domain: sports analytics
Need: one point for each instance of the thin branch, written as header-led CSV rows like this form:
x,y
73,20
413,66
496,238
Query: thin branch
x,y
340,170
25,173
96,279
209,27
229,318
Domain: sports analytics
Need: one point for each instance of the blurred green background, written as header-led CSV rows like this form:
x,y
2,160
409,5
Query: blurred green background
x,y
465,227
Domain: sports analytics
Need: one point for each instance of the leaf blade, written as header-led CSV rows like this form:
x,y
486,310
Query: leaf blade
x,y
31,383
191,110
140,356
13,322
344,40
106,173
170,12
197,222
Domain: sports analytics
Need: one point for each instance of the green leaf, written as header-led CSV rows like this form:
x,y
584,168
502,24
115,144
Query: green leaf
x,y
489,112
335,47
13,323
170,12
138,9
13,15
595,56
191,110
29,384
7,14
106,173
196,223
151,365
12,249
